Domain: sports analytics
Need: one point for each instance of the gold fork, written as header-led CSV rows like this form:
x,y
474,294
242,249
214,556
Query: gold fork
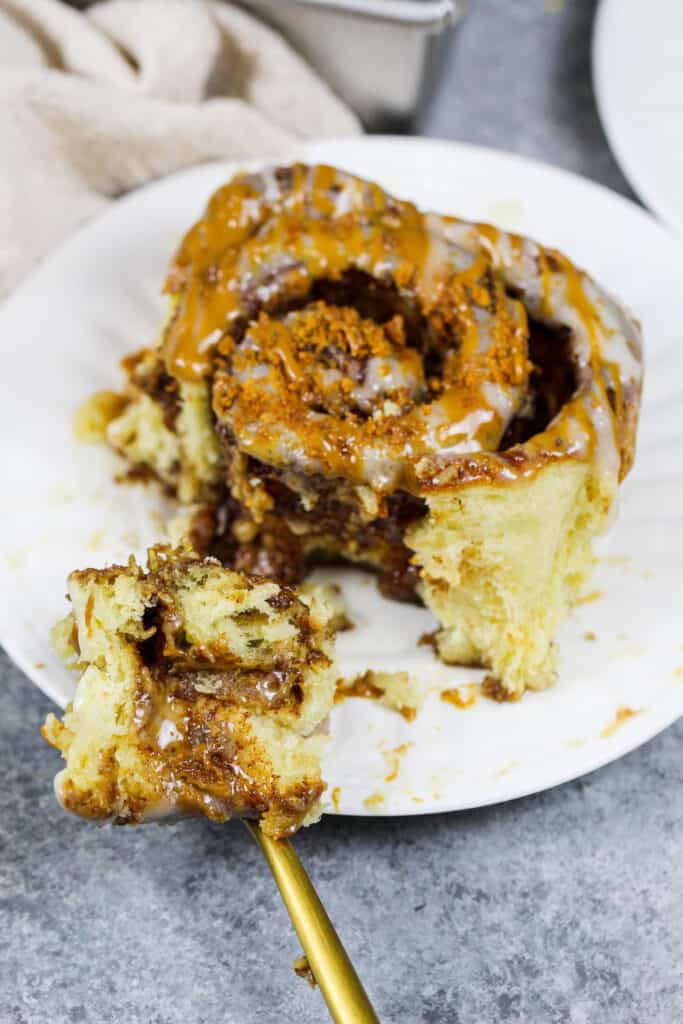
x,y
340,985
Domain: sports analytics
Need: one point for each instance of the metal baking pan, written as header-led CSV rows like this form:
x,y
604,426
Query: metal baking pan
x,y
381,56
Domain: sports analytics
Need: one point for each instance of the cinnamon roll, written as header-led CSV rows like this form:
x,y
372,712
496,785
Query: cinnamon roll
x,y
343,376
201,691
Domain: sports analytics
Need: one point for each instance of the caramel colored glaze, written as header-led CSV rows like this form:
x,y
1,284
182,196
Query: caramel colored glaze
x,y
212,764
622,715
360,686
363,686
600,420
296,392
394,757
89,607
275,680
419,400
494,690
263,244
456,698
269,688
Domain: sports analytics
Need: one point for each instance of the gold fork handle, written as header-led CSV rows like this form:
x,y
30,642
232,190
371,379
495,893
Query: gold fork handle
x,y
332,969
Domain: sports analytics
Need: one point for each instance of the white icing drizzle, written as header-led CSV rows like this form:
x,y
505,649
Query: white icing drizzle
x,y
605,346
604,339
168,733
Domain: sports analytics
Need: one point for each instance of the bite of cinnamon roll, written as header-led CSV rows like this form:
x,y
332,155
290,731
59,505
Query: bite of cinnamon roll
x,y
344,377
201,691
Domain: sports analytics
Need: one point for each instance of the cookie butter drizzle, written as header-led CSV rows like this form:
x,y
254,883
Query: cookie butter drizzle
x,y
606,349
264,242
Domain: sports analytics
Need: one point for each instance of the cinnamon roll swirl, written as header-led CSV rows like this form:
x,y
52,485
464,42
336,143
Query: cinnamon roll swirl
x,y
343,376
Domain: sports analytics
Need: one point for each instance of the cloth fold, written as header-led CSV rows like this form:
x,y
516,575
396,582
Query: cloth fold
x,y
95,103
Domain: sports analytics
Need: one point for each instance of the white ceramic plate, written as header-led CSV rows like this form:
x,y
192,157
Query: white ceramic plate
x,y
62,334
638,80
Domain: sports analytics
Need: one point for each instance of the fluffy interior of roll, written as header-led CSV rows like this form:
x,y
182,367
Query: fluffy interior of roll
x,y
501,568
201,691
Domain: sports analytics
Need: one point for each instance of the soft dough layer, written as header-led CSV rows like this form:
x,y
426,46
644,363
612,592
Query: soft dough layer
x,y
501,568
200,692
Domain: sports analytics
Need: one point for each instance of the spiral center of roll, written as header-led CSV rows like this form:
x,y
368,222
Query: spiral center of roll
x,y
334,361
325,388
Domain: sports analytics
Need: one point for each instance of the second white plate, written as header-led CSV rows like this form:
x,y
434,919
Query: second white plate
x,y
621,681
638,81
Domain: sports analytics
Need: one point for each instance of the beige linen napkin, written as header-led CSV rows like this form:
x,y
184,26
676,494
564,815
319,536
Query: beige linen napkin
x,y
93,104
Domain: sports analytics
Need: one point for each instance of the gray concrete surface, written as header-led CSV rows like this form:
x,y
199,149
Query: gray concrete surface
x,y
565,908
